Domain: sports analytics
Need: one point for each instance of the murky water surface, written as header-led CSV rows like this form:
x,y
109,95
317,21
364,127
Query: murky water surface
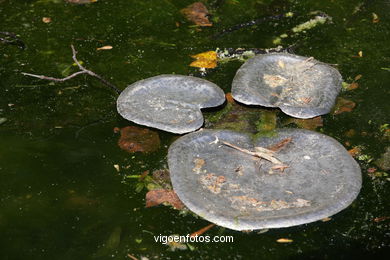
x,y
61,196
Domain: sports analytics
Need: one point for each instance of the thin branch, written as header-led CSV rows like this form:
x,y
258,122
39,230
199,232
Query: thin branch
x,y
83,70
54,79
260,153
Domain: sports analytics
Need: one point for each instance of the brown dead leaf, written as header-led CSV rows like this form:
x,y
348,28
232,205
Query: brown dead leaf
x,y
380,219
358,77
311,124
206,59
326,219
350,133
202,230
343,105
355,151
107,47
46,19
280,145
229,98
284,240
375,18
157,197
136,139
197,13
352,86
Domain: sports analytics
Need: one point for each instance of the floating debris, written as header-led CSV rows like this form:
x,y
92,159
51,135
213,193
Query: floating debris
x,y
135,139
343,105
197,13
234,188
301,87
169,102
157,197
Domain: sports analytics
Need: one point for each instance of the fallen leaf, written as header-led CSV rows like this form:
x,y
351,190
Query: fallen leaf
x,y
310,124
116,166
350,133
197,13
380,219
229,98
205,60
358,77
343,105
46,19
280,145
136,139
326,219
352,86
284,240
157,197
375,18
107,47
355,151
202,230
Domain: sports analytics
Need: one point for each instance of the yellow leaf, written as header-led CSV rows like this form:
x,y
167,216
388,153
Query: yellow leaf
x,y
284,240
107,47
205,60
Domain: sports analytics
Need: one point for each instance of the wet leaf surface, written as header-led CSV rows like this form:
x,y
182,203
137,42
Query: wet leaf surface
x,y
230,179
136,139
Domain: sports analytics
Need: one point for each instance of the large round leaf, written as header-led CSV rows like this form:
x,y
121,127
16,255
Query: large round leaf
x,y
233,189
169,102
301,87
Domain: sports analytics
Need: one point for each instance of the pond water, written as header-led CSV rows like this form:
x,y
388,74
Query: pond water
x,y
61,196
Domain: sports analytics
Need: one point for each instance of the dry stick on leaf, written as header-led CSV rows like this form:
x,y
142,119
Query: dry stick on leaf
x,y
82,71
260,152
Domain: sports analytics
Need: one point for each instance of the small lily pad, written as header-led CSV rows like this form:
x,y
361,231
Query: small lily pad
x,y
169,102
234,189
301,87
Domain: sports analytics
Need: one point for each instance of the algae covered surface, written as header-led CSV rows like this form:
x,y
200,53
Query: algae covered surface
x,y
68,191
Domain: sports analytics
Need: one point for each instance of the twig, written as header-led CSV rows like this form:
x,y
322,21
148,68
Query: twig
x,y
132,257
82,71
260,153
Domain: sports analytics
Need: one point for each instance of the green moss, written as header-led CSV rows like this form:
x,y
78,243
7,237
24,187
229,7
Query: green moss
x,y
216,116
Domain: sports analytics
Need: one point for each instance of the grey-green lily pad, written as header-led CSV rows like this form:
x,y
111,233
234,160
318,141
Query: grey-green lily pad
x,y
217,179
301,87
169,102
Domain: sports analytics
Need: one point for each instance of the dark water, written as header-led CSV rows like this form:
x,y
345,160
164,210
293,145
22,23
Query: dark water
x,y
60,195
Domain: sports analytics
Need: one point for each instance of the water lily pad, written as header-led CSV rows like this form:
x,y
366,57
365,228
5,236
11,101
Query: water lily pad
x,y
301,87
239,191
169,102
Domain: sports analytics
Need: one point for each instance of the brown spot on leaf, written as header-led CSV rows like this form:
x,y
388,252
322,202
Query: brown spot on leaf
x,y
136,139
197,13
157,197
198,165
